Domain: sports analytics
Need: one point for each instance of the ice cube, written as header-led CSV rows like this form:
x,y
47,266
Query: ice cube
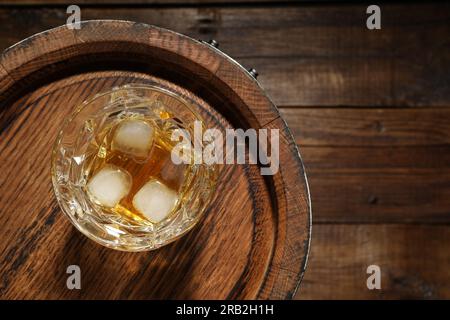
x,y
109,185
133,137
155,200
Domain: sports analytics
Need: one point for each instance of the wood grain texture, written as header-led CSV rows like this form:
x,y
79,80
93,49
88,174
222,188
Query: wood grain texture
x,y
129,42
379,185
348,127
351,82
5,81
413,260
329,159
322,55
34,238
270,31
291,182
375,165
270,235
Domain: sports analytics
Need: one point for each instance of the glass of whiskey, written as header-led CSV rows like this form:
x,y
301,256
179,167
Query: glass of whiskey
x,y
113,171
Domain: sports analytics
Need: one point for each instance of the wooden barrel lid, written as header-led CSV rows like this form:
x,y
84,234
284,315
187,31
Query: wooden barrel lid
x,y
254,239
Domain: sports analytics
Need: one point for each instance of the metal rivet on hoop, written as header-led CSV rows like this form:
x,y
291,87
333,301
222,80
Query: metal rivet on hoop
x,y
213,43
253,73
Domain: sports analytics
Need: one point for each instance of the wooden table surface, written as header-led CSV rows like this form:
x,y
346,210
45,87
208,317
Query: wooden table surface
x,y
368,108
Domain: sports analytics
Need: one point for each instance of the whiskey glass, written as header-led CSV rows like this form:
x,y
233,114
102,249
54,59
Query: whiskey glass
x,y
85,146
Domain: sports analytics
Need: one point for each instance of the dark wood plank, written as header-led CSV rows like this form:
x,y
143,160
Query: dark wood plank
x,y
370,160
413,261
375,165
403,197
307,55
369,127
376,185
353,81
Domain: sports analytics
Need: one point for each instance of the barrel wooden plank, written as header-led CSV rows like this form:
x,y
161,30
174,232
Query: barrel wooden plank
x,y
139,44
294,200
413,260
59,45
28,56
373,127
5,80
